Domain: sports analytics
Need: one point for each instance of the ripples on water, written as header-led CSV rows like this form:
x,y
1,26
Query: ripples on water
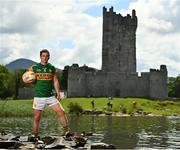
x,y
123,132
167,135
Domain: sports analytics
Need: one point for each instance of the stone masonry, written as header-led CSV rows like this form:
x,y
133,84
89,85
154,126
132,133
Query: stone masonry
x,y
118,76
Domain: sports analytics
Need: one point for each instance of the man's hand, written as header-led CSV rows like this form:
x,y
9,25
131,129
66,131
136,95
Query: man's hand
x,y
57,87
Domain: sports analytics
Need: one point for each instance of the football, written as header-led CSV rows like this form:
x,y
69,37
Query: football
x,y
28,77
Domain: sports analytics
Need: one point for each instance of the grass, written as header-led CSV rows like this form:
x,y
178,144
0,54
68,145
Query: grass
x,y
23,108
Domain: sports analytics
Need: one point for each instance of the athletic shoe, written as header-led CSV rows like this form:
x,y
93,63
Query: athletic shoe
x,y
69,135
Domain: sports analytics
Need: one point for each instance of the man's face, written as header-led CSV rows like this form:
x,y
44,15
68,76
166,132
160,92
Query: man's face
x,y
44,57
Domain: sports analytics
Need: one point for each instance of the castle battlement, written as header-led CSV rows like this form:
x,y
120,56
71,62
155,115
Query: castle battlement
x,y
162,69
119,19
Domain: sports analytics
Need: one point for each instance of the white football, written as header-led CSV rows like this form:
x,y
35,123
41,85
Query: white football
x,y
28,76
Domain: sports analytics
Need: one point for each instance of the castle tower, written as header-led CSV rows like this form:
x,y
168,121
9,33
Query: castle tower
x,y
119,42
118,77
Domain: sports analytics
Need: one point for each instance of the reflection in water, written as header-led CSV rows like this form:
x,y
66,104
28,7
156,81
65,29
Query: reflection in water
x,y
165,133
123,132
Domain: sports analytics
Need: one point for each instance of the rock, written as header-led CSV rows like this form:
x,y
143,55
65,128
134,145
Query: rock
x,y
86,134
93,112
80,141
50,142
108,113
10,144
60,143
102,146
23,138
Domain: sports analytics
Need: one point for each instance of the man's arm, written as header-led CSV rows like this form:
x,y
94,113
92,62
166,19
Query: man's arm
x,y
56,86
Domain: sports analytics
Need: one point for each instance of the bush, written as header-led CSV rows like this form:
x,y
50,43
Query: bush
x,y
134,108
174,87
123,109
75,108
6,83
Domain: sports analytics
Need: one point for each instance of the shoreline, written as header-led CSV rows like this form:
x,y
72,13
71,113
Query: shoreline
x,y
120,114
113,114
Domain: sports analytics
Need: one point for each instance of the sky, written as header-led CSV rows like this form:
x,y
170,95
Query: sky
x,y
72,31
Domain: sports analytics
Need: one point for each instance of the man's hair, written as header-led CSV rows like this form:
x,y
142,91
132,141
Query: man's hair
x,y
44,51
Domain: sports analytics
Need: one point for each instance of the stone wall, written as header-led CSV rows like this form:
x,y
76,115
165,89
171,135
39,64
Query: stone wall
x,y
76,82
151,84
158,83
25,93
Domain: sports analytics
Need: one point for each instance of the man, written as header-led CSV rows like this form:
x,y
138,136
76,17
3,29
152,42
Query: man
x,y
46,81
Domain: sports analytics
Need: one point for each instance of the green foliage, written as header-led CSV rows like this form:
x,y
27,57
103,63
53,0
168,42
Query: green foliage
x,y
123,109
174,87
6,83
75,108
171,87
18,81
10,82
18,78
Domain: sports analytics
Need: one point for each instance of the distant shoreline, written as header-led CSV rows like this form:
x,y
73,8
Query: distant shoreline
x,y
119,114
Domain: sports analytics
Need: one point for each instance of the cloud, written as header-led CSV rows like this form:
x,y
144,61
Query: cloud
x,y
4,55
17,19
28,26
24,23
157,33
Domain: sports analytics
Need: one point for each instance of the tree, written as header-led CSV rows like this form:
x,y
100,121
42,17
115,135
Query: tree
x,y
174,87
18,80
6,83
177,87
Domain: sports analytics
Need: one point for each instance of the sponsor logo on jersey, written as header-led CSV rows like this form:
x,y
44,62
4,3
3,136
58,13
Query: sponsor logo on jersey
x,y
44,76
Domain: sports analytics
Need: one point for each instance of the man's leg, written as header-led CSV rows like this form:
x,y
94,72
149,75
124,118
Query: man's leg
x,y
61,115
37,116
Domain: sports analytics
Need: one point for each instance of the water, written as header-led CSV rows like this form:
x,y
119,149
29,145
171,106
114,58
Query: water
x,y
123,132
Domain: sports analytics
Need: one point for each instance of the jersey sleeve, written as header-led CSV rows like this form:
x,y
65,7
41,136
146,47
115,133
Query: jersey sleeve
x,y
53,70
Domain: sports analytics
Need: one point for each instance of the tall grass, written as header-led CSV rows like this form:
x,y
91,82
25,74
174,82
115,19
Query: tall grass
x,y
18,108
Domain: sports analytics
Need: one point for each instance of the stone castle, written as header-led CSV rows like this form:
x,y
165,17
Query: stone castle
x,y
118,76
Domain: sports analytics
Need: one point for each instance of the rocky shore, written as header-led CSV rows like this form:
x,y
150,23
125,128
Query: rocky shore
x,y
9,141
104,113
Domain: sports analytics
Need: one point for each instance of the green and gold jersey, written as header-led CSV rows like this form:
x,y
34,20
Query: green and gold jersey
x,y
44,79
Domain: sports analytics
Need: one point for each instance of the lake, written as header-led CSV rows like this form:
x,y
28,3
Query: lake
x,y
123,132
